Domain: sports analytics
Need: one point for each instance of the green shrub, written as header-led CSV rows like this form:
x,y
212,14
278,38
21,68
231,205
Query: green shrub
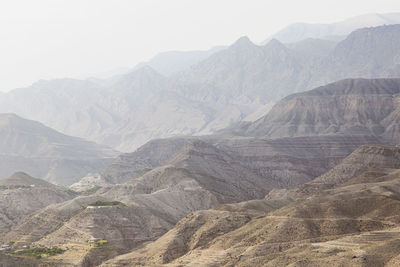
x,y
39,253
106,203
71,192
100,243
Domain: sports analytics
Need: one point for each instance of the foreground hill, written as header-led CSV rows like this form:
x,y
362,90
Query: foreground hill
x,y
22,195
198,176
354,224
31,147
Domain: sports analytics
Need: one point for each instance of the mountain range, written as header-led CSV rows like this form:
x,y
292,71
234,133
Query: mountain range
x,y
238,83
173,200
282,154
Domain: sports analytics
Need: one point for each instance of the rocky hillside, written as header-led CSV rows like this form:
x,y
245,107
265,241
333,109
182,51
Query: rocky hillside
x,y
196,177
22,195
352,107
373,159
316,128
287,162
144,194
236,83
351,225
31,147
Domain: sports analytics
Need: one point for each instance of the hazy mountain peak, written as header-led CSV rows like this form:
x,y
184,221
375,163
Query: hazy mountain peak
x,y
23,179
242,42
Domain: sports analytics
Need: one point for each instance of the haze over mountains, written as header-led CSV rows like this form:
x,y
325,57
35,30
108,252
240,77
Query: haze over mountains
x,y
239,82
335,31
169,178
271,155
31,147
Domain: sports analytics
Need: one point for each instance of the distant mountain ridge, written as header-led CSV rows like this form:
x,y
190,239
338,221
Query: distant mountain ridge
x,y
353,106
240,82
334,31
171,62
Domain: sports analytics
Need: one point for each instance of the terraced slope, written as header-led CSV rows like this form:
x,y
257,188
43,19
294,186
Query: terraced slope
x,y
354,224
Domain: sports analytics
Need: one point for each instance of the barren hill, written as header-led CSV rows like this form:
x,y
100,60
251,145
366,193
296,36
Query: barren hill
x,y
351,225
21,195
352,107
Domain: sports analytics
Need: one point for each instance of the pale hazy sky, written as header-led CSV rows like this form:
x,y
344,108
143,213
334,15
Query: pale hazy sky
x,y
43,39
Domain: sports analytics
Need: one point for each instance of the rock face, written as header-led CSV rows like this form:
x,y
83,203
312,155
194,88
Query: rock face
x,y
22,195
30,146
355,224
241,81
335,31
352,107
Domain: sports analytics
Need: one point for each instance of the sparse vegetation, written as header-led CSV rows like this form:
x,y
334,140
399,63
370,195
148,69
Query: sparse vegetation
x,y
100,203
11,243
71,192
91,190
99,243
39,253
